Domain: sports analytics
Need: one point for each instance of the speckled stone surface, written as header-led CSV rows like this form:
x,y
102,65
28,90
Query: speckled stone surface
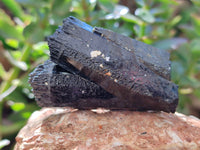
x,y
65,128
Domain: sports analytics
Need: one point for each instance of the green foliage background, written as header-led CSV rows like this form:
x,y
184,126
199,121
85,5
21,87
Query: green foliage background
x,y
171,25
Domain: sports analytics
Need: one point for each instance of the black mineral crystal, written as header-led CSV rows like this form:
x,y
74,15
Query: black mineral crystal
x,y
94,67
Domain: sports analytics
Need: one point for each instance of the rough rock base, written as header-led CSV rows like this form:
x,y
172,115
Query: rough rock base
x,y
65,128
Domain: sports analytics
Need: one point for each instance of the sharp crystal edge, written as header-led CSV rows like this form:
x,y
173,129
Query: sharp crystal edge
x,y
136,73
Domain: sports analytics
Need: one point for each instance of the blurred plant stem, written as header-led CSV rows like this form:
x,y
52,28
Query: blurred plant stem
x,y
142,30
13,75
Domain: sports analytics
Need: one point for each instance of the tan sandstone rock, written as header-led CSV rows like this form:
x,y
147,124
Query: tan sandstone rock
x,y
68,129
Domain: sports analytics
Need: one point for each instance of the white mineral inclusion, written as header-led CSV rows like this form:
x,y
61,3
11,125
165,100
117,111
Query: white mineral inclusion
x,y
107,58
95,53
101,65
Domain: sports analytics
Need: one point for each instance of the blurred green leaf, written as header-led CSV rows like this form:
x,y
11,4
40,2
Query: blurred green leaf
x,y
106,5
7,130
174,21
197,93
61,7
15,8
196,21
18,106
145,15
17,96
26,114
195,48
7,28
140,3
178,71
189,31
187,81
183,55
40,49
157,11
34,33
13,43
167,2
60,10
43,46
168,44
184,100
131,18
125,29
196,2
34,3
16,54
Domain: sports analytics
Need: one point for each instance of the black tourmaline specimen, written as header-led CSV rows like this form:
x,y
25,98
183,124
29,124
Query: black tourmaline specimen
x,y
130,74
